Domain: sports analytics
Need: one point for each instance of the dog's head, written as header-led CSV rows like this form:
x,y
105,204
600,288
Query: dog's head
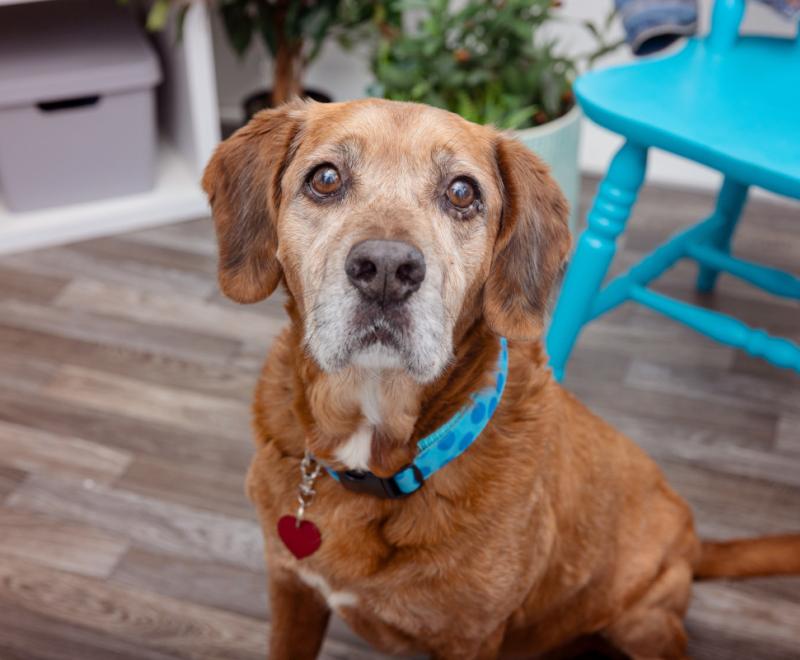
x,y
394,226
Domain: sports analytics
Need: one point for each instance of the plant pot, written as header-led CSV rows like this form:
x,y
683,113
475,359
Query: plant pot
x,y
262,100
556,143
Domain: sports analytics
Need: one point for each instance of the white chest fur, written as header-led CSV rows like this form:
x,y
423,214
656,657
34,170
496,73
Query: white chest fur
x,y
357,451
335,599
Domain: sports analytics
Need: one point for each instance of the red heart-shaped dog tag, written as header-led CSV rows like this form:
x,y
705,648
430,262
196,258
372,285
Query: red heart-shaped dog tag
x,y
302,540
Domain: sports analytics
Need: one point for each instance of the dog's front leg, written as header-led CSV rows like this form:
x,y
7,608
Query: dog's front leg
x,y
299,617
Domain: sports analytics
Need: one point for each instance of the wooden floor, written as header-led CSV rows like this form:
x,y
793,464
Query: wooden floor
x,y
125,383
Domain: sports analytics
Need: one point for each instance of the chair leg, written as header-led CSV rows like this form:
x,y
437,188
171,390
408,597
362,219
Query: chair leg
x,y
730,203
595,250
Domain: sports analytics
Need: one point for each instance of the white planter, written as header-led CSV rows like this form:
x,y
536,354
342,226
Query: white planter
x,y
556,143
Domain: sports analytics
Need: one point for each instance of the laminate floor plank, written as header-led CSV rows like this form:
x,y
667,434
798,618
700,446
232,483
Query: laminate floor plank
x,y
24,374
662,342
33,356
48,454
26,634
210,488
157,257
173,311
19,285
191,411
10,478
69,546
138,619
146,437
154,625
195,236
788,438
215,584
126,379
769,629
679,411
146,522
745,364
70,261
761,508
745,392
109,331
662,440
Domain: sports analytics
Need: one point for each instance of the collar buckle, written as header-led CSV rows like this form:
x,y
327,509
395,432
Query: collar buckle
x,y
367,483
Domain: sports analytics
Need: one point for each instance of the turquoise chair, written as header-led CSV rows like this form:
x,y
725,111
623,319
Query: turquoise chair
x,y
726,101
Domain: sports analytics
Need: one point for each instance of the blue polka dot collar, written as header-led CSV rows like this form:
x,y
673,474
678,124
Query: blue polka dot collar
x,y
437,449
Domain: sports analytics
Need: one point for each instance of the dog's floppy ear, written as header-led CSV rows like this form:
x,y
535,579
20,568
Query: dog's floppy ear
x,y
531,246
243,183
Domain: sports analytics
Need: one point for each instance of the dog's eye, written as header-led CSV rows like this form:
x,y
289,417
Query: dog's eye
x,y
461,193
325,180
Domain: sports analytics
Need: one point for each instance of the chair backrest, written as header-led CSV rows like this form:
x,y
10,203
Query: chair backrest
x,y
726,18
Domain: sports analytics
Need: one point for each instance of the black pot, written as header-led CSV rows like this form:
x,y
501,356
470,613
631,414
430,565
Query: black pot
x,y
262,100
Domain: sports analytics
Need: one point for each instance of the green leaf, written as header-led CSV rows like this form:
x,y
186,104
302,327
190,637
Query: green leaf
x,y
602,51
266,19
316,26
514,68
420,89
522,117
158,15
592,28
609,19
238,25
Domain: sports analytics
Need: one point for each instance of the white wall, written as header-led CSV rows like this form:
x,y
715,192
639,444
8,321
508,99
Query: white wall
x,y
346,75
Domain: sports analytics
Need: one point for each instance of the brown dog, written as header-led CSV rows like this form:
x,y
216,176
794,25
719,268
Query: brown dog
x,y
407,240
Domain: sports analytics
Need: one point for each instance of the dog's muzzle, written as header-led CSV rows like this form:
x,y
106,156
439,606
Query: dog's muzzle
x,y
385,272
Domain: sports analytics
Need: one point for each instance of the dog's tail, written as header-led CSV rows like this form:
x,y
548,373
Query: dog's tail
x,y
767,555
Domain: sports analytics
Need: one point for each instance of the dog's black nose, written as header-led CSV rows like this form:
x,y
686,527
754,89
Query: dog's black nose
x,y
385,272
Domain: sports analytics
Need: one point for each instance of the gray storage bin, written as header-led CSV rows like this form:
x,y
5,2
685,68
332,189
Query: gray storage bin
x,y
77,104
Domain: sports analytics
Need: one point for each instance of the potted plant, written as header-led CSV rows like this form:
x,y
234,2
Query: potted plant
x,y
293,32
491,61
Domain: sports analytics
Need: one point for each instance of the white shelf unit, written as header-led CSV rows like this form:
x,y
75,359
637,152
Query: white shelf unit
x,y
189,124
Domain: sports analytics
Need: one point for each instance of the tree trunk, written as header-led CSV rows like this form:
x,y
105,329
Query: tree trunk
x,y
288,73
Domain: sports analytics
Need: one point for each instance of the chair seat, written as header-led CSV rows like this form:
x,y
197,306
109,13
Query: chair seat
x,y
737,111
